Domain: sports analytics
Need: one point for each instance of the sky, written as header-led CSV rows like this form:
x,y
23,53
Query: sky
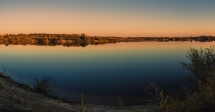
x,y
109,17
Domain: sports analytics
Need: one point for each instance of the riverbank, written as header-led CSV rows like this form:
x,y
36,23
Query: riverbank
x,y
20,97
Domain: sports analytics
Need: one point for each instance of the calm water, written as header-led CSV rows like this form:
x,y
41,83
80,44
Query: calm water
x,y
104,73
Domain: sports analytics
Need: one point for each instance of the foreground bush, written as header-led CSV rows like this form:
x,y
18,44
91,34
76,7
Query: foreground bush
x,y
201,65
199,98
43,85
202,76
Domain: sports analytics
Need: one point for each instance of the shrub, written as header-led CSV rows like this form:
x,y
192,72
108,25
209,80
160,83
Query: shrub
x,y
43,85
201,98
159,98
201,64
202,76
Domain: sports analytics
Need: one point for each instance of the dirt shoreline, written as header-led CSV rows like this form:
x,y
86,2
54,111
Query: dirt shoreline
x,y
19,97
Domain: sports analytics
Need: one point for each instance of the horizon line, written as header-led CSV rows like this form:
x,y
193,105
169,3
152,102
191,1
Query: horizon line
x,y
97,35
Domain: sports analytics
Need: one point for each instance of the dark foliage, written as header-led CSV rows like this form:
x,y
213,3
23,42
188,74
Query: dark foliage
x,y
43,85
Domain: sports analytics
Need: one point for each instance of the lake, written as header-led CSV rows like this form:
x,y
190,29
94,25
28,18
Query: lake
x,y
104,73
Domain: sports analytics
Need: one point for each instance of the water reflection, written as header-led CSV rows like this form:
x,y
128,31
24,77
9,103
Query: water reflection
x,y
101,72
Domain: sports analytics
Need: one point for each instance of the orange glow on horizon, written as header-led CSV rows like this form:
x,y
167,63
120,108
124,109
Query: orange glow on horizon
x,y
115,19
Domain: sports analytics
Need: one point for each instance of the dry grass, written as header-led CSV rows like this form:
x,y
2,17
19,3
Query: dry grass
x,y
43,85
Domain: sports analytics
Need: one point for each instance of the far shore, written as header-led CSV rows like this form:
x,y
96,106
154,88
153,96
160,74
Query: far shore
x,y
83,40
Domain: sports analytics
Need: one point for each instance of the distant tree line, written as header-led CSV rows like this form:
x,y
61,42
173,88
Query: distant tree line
x,y
84,40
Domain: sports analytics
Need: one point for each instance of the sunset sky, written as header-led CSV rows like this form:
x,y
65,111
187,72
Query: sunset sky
x,y
109,17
